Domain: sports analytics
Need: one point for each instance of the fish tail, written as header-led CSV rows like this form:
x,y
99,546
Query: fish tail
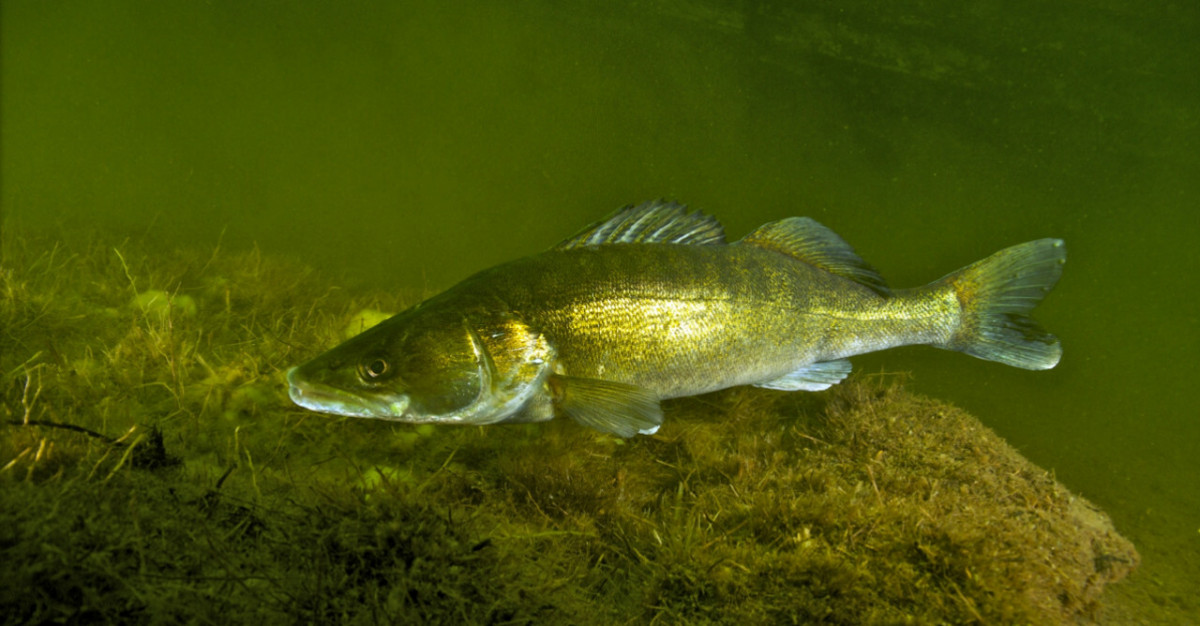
x,y
995,297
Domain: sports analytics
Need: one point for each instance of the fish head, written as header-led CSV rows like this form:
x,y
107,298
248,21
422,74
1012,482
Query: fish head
x,y
425,365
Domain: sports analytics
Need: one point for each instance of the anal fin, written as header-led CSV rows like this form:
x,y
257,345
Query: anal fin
x,y
811,377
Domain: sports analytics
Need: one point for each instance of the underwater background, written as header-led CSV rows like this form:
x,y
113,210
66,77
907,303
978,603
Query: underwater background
x,y
405,145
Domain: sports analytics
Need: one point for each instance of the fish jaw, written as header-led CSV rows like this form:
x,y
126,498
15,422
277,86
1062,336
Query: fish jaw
x,y
329,399
492,368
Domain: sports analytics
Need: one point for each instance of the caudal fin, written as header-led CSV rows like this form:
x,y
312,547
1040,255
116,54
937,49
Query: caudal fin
x,y
996,296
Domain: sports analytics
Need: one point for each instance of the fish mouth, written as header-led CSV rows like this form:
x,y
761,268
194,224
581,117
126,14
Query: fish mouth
x,y
327,399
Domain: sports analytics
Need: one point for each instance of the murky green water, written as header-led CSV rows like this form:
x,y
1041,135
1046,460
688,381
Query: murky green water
x,y
410,144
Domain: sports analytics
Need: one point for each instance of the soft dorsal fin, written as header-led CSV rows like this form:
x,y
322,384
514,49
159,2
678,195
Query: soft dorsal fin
x,y
807,240
650,222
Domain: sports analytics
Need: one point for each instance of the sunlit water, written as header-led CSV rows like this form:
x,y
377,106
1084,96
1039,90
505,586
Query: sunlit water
x,y
409,145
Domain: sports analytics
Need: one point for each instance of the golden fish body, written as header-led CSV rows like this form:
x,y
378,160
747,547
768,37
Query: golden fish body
x,y
653,304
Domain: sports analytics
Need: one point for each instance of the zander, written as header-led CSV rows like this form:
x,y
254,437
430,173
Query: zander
x,y
652,303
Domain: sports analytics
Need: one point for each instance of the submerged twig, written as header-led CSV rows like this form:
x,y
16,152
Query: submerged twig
x,y
152,455
79,429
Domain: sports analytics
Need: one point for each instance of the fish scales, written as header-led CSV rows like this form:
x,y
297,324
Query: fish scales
x,y
653,304
683,320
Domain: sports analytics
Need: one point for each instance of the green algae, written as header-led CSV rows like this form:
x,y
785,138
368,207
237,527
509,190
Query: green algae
x,y
153,470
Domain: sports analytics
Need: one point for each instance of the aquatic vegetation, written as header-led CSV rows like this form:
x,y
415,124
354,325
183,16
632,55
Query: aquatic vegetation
x,y
152,469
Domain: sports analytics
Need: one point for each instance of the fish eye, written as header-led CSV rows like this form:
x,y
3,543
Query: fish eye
x,y
374,368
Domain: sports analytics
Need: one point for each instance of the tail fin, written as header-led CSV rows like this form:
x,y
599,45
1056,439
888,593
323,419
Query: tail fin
x,y
996,296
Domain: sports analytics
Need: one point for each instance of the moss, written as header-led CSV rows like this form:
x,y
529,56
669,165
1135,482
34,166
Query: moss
x,y
153,470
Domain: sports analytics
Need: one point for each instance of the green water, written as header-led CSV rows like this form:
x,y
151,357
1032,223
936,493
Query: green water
x,y
410,144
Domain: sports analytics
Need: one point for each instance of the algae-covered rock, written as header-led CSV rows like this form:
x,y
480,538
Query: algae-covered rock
x,y
866,505
960,509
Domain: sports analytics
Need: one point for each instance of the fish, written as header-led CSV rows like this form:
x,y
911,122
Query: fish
x,y
653,303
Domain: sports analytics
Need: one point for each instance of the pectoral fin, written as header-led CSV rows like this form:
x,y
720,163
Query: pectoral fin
x,y
617,408
812,377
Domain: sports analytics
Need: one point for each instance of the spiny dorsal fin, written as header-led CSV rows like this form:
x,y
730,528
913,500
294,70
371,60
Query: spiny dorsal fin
x,y
807,240
650,222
